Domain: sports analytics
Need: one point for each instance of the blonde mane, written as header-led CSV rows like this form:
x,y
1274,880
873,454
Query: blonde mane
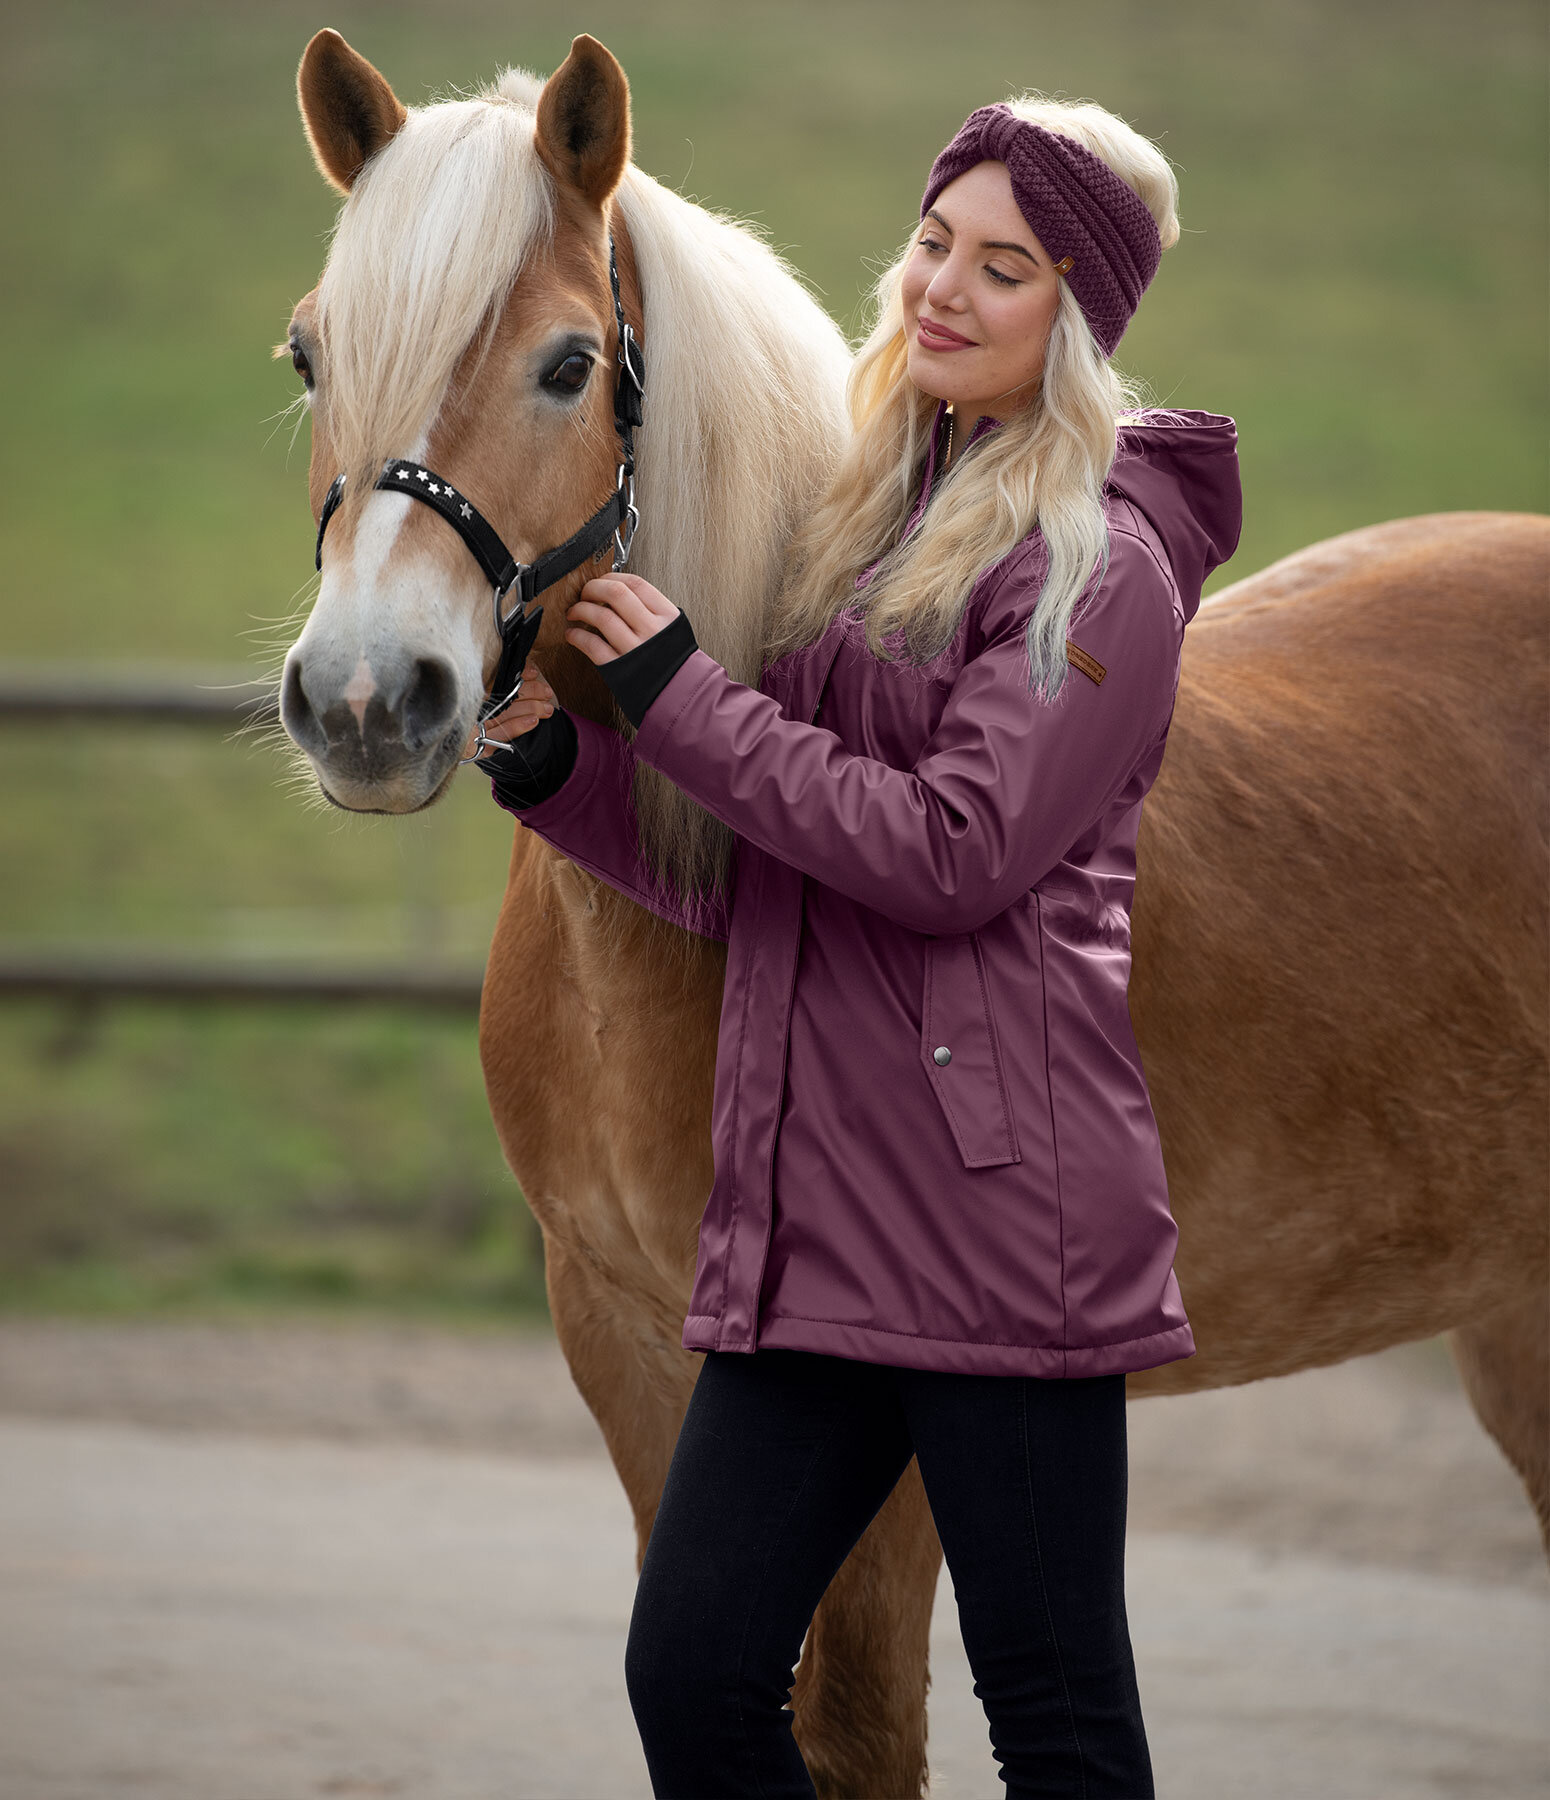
x,y
745,375
434,233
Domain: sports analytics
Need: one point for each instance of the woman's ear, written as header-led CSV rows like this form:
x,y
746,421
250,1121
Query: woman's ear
x,y
348,109
583,130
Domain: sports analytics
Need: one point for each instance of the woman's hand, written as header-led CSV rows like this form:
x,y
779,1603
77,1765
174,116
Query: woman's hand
x,y
616,613
536,702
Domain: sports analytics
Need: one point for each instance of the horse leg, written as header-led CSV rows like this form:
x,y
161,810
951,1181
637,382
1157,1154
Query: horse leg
x,y
635,1379
1504,1362
860,1691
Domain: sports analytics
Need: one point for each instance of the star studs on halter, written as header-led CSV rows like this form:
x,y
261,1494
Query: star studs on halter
x,y
445,491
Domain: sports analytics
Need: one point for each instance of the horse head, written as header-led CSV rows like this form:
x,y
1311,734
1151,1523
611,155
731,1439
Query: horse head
x,y
466,322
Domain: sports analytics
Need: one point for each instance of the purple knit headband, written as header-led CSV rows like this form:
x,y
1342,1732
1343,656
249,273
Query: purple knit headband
x,y
1097,228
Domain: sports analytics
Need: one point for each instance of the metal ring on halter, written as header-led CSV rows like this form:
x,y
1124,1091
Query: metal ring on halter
x,y
483,743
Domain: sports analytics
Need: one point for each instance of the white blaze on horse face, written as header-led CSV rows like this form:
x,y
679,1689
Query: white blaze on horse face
x,y
386,606
387,610
379,611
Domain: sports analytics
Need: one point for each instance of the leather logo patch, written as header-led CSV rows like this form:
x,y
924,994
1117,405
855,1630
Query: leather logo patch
x,y
1089,665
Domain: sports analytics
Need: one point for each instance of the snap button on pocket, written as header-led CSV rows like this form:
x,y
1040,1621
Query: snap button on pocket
x,y
956,1004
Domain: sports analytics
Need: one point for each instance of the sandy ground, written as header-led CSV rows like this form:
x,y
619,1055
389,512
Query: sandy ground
x,y
296,1561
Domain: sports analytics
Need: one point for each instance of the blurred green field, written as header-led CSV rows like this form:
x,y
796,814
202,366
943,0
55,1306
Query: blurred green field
x,y
1361,283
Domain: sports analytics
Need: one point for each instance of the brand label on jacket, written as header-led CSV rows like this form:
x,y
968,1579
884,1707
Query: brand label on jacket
x,y
1089,665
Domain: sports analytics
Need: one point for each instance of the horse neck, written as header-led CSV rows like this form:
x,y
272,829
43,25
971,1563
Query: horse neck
x,y
745,414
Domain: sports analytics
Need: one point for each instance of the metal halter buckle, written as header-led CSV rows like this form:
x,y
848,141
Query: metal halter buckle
x,y
515,584
624,531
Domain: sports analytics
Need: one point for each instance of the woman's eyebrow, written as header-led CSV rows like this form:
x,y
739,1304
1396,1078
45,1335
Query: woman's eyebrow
x,y
987,243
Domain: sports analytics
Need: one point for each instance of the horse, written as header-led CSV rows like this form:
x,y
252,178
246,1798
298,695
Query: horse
x,y
1340,935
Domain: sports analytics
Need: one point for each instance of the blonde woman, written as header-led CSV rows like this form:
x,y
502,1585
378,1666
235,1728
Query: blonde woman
x,y
940,1224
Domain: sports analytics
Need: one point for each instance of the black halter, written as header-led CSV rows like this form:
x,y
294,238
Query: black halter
x,y
615,520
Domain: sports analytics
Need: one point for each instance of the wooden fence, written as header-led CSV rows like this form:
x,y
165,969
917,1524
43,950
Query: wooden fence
x,y
90,976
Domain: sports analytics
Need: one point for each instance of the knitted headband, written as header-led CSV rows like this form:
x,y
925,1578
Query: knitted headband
x,y
1096,226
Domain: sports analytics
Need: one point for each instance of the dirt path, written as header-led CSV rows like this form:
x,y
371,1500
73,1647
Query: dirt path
x,y
252,1564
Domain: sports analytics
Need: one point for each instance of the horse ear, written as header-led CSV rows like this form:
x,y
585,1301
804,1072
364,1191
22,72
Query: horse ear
x,y
583,131
348,109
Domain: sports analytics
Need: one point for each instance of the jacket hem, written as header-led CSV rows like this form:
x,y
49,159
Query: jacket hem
x,y
906,1350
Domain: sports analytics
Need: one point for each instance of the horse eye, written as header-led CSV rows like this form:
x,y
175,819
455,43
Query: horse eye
x,y
299,362
570,377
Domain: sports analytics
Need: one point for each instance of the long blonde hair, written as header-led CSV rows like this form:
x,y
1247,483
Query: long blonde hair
x,y
1045,467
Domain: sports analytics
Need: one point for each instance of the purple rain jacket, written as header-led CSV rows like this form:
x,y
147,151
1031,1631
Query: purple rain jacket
x,y
933,1140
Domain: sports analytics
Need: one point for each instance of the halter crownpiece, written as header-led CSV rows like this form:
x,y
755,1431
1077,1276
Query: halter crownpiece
x,y
1098,231
615,522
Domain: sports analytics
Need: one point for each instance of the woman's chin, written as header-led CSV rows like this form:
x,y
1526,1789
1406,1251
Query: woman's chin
x,y
929,380
931,375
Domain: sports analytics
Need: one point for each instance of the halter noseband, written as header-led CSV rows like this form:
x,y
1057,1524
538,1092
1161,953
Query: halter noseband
x,y
616,520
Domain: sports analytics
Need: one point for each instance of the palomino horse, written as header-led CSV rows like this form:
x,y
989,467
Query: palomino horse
x,y
1340,945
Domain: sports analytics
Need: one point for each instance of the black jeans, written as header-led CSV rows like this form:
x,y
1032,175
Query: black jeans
x,y
783,1460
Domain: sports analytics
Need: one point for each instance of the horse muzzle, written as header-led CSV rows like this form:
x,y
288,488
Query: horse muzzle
x,y
377,742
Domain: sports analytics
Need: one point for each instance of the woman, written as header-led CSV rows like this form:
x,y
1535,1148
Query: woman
x,y
940,1224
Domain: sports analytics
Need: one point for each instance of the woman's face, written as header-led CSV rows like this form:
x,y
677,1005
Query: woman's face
x,y
979,297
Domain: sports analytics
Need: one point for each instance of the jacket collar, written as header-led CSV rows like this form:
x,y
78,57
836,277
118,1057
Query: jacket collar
x,y
938,433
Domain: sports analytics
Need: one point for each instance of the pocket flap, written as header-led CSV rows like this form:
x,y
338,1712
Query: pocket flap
x,y
969,1081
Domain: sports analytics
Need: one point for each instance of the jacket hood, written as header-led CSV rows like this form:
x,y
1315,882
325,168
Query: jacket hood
x,y
1181,470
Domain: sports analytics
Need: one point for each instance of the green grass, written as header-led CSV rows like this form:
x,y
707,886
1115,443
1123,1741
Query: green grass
x,y
157,1157
1361,284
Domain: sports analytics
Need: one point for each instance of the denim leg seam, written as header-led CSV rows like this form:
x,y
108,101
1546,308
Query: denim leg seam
x,y
1038,1568
742,1648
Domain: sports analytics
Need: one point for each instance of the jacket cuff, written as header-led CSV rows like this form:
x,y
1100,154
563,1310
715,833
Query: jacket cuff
x,y
639,675
695,670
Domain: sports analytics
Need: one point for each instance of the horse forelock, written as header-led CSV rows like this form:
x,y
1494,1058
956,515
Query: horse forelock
x,y
430,240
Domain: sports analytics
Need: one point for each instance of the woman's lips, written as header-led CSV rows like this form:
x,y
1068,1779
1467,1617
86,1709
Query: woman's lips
x,y
931,336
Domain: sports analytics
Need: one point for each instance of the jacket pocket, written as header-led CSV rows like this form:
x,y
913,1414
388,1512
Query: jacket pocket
x,y
961,1052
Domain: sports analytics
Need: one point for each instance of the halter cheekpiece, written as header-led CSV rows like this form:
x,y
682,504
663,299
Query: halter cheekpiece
x,y
614,521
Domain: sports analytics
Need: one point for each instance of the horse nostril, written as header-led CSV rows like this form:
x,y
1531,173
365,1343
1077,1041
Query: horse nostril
x,y
430,703
297,714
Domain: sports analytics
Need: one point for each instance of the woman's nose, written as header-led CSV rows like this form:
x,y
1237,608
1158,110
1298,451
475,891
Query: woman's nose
x,y
945,289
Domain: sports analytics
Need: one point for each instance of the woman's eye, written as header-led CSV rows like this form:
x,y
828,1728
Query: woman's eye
x,y
927,243
571,375
299,362
1005,280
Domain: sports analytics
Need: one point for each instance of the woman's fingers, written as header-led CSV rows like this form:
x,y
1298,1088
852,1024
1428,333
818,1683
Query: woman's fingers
x,y
535,703
623,610
534,687
598,632
653,599
513,721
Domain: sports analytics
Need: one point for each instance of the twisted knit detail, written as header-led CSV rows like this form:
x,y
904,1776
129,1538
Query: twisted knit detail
x,y
1075,205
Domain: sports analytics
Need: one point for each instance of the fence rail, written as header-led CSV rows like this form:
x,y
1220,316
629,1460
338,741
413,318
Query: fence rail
x,y
97,976
226,698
